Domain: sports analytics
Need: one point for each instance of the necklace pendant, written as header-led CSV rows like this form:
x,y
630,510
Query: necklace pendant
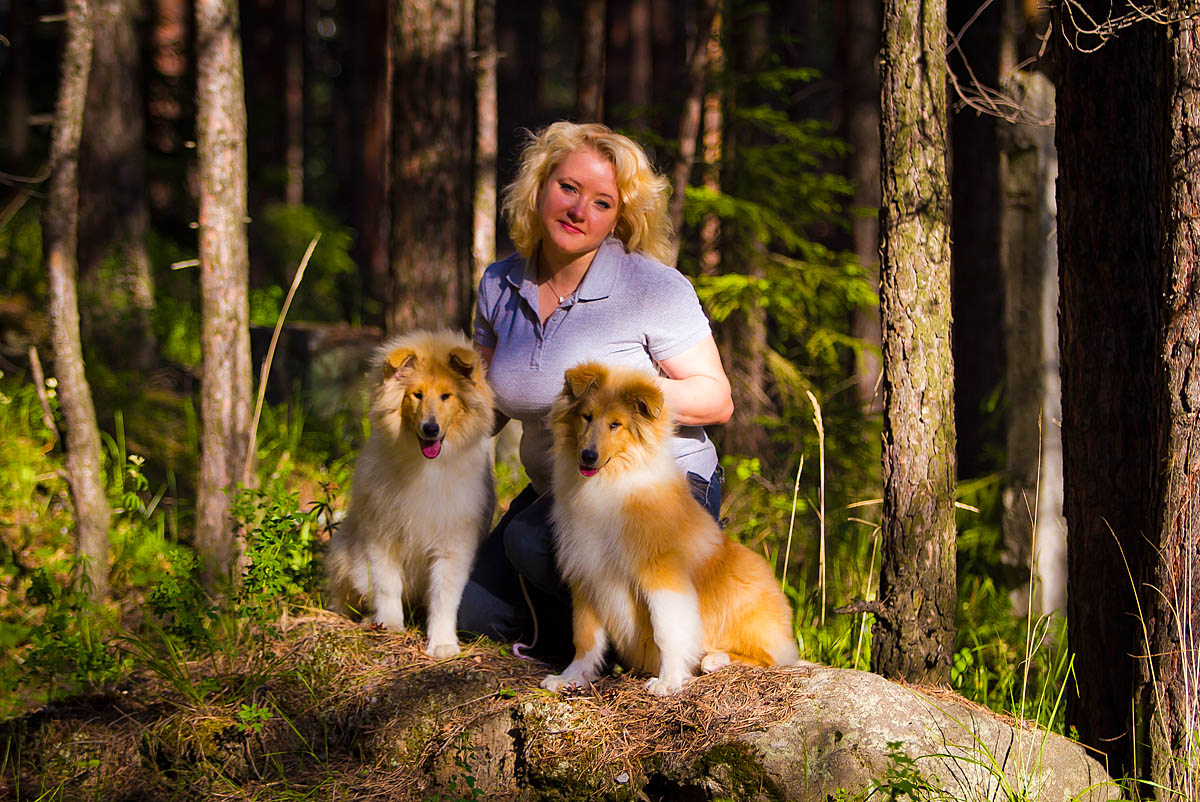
x,y
561,299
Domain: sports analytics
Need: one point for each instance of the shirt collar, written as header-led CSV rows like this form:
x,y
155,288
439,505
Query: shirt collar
x,y
597,283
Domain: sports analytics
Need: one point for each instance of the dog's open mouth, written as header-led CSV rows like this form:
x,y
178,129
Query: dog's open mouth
x,y
431,448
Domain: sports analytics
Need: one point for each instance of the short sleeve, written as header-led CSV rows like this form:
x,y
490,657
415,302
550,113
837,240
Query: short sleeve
x,y
675,321
485,307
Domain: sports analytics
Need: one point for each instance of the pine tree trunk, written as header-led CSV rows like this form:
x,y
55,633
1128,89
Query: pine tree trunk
x,y
1033,525
369,42
978,283
641,64
693,108
914,633
1171,600
589,103
293,100
167,101
225,386
859,31
712,138
743,335
59,231
1109,284
16,93
433,99
115,219
486,138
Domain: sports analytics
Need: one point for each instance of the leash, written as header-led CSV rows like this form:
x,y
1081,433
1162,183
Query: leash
x,y
519,647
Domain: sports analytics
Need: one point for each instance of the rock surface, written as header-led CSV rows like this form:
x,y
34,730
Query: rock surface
x,y
389,723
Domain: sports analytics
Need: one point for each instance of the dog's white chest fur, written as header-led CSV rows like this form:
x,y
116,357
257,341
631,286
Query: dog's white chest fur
x,y
592,555
414,527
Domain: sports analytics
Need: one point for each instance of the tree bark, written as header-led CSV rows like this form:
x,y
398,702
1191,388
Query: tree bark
x,y
225,387
167,101
693,108
743,335
589,103
1109,284
293,100
859,27
1034,529
977,281
115,219
432,188
16,95
365,26
59,230
914,633
1171,596
641,64
713,136
483,250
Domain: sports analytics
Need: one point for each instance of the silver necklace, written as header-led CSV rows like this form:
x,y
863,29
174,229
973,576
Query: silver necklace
x,y
553,289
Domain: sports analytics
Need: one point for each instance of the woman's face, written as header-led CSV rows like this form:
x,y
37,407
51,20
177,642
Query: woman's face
x,y
579,206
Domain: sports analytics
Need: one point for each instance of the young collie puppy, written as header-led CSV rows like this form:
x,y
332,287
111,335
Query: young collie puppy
x,y
422,496
648,568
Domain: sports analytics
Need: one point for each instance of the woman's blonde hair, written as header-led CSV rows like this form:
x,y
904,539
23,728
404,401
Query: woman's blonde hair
x,y
642,220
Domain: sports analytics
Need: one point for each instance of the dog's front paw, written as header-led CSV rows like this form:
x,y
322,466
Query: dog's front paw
x,y
714,661
559,683
441,651
665,686
378,621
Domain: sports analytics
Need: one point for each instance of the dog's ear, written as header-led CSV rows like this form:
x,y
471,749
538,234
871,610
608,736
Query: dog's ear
x,y
463,361
400,364
579,379
646,398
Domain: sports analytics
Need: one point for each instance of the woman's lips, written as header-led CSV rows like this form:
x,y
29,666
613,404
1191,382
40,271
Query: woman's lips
x,y
569,227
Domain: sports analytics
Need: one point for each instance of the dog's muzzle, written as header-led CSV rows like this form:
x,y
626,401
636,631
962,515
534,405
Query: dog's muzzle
x,y
431,439
588,458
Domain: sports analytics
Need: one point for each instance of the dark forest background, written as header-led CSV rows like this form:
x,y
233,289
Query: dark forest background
x,y
374,125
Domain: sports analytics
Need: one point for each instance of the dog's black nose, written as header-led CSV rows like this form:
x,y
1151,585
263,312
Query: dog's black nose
x,y
588,456
430,430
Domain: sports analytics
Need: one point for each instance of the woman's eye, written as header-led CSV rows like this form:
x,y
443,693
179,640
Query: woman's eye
x,y
605,205
566,187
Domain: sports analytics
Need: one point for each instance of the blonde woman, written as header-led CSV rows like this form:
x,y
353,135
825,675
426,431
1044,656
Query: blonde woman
x,y
588,216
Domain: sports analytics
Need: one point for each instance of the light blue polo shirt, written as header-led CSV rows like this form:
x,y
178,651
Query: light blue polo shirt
x,y
629,310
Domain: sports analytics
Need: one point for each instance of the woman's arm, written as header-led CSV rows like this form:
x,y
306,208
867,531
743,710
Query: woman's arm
x,y
696,386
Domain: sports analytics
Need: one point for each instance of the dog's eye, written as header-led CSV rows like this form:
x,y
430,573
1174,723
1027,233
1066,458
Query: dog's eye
x,y
586,417
418,395
445,396
615,425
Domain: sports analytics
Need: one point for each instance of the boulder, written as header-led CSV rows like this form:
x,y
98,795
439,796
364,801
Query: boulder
x,y
356,713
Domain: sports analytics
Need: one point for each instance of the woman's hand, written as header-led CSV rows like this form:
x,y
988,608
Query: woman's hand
x,y
696,386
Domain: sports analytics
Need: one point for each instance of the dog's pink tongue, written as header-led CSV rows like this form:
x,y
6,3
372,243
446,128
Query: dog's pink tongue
x,y
431,448
587,471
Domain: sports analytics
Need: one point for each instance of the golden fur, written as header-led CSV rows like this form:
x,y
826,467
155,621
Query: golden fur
x,y
422,496
648,568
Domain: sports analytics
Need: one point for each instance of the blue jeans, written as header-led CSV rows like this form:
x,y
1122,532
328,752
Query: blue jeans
x,y
523,543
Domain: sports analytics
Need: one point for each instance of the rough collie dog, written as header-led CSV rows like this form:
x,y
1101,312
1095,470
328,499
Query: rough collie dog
x,y
422,496
648,568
